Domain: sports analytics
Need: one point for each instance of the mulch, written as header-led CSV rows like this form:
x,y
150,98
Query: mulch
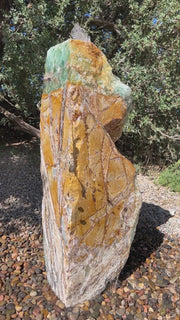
x,y
148,287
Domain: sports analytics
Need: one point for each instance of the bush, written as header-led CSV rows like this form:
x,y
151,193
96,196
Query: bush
x,y
170,177
140,40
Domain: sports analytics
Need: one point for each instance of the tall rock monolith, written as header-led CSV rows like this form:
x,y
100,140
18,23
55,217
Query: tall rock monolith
x,y
91,200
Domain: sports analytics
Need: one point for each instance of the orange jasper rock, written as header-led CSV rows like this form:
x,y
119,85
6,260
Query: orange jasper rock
x,y
91,201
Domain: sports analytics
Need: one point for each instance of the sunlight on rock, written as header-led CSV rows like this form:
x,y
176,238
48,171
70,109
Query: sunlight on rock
x,y
91,200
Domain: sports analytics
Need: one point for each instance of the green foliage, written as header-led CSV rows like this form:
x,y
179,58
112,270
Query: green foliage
x,y
170,177
139,38
151,67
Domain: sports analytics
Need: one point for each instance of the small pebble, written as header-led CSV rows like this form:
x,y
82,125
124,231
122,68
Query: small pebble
x,y
33,293
18,308
60,304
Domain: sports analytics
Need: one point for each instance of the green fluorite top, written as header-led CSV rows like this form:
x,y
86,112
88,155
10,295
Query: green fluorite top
x,y
82,62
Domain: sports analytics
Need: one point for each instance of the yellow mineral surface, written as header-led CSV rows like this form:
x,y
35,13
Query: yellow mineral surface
x,y
94,179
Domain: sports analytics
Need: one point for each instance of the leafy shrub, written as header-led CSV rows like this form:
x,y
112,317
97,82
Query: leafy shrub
x,y
170,177
141,42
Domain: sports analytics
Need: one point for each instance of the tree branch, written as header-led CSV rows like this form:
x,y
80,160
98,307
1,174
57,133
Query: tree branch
x,y
175,137
10,103
20,123
104,24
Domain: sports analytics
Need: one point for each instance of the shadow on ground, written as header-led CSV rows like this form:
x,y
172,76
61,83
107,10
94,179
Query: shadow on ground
x,y
147,238
20,185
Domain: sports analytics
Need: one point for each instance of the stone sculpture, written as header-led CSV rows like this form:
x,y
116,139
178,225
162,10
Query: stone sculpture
x,y
91,201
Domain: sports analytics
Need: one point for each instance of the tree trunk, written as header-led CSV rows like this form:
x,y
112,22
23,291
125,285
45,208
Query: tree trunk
x,y
22,125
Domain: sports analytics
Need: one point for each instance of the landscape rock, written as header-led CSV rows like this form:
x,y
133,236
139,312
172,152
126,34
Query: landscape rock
x,y
91,200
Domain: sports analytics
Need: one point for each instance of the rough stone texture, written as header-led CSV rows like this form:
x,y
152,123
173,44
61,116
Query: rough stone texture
x,y
91,201
79,33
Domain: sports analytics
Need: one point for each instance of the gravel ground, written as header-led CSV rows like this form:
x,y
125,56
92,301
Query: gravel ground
x,y
164,213
148,287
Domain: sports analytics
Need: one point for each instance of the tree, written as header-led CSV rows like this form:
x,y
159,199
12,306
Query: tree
x,y
139,38
151,67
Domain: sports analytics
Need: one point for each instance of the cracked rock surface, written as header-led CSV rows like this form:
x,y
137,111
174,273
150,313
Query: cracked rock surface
x,y
91,199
